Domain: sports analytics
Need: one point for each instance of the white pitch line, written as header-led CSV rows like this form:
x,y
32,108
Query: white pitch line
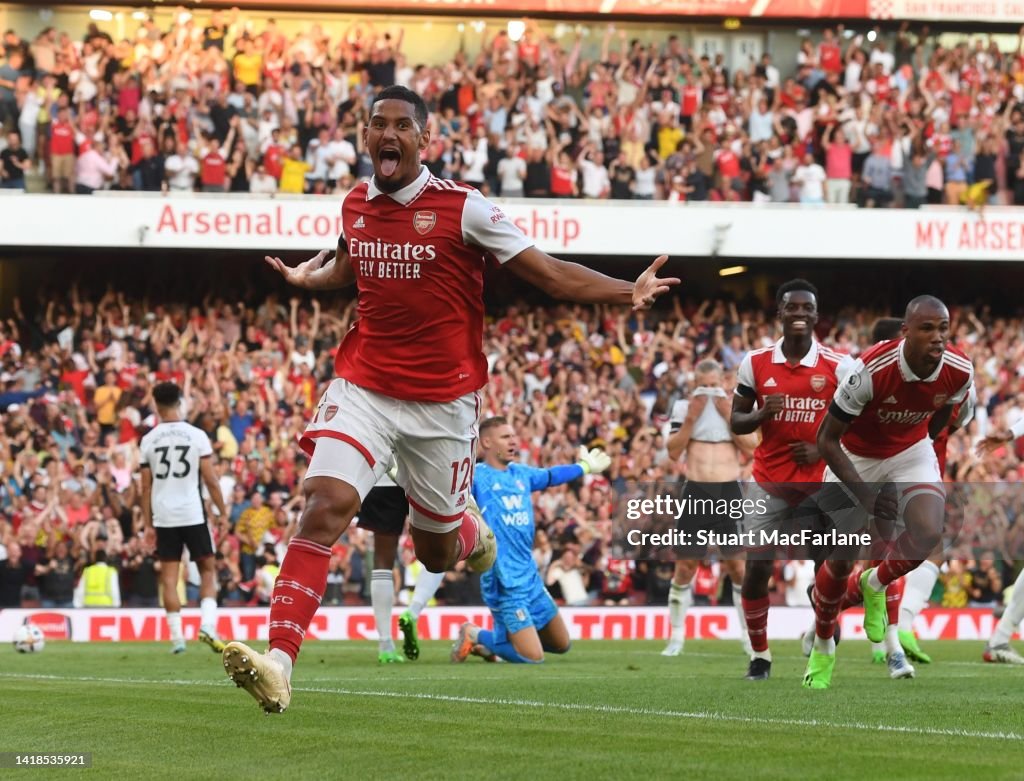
x,y
579,707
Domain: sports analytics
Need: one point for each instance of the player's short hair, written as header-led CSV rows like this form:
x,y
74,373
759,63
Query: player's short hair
x,y
707,366
398,92
794,284
923,302
489,423
167,394
886,328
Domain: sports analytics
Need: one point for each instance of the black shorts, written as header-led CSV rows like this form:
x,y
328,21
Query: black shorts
x,y
704,513
384,510
171,540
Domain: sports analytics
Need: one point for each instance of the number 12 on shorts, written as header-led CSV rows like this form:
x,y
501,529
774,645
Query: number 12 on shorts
x,y
464,469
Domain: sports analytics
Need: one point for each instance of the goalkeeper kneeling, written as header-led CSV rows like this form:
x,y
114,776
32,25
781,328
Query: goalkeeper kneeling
x,y
526,620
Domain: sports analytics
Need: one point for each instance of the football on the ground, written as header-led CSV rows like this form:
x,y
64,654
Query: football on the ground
x,y
28,639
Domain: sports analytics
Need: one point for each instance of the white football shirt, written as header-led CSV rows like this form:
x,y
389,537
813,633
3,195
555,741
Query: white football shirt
x,y
172,451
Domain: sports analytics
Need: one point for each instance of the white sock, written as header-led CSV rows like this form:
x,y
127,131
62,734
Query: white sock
x,y
825,646
917,589
426,586
737,601
208,613
767,655
679,600
284,660
874,582
1012,616
382,597
892,640
174,625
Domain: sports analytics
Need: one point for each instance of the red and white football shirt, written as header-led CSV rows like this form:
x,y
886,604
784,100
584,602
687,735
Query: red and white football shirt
x,y
418,256
890,406
808,387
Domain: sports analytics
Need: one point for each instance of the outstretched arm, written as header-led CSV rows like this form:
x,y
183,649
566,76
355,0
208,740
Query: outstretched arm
x,y
590,462
318,273
573,282
485,225
1000,437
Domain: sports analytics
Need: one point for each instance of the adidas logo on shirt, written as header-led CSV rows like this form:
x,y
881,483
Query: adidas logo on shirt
x,y
891,400
770,383
359,223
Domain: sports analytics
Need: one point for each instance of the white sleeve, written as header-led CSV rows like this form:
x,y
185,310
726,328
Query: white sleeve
x,y
679,410
961,394
205,448
486,226
1017,429
856,390
745,376
846,364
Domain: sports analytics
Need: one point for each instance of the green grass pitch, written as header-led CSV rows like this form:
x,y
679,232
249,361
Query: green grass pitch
x,y
609,709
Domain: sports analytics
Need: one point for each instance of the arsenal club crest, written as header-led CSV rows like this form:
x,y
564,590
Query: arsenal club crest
x,y
423,222
818,382
940,399
330,412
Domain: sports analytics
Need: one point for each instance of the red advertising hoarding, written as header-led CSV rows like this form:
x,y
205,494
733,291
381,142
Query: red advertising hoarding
x,y
998,11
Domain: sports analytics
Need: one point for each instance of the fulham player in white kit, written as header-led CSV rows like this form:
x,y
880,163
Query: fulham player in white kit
x,y
879,430
409,371
176,457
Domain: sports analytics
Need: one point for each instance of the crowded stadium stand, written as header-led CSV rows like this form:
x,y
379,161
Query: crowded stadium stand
x,y
169,141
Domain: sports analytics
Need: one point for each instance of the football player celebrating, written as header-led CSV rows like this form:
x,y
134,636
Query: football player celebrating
x,y
791,383
409,371
879,430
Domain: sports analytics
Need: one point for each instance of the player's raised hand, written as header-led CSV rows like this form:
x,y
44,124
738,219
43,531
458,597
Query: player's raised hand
x,y
994,441
593,461
300,275
648,286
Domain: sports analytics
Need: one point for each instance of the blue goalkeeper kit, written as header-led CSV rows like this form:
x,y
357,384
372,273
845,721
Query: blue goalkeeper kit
x,y
512,588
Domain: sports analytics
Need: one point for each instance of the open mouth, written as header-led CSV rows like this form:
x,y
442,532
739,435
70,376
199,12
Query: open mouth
x,y
798,323
389,160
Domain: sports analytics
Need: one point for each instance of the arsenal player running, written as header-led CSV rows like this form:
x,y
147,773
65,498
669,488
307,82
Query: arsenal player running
x,y
879,429
906,597
791,383
409,371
